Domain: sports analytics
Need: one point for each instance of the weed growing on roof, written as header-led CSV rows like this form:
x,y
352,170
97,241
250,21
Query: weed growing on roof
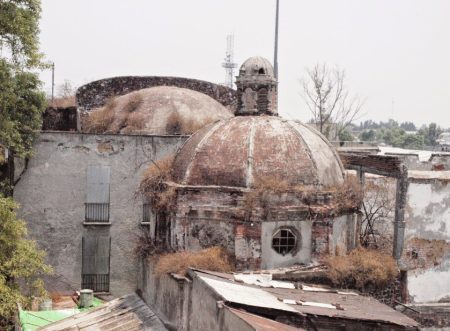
x,y
361,268
154,186
213,259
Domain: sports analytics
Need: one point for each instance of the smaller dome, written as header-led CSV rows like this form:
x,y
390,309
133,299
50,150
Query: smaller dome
x,y
256,66
157,110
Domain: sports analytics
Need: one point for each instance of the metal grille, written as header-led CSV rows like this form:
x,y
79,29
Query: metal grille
x,y
146,213
97,283
284,241
97,212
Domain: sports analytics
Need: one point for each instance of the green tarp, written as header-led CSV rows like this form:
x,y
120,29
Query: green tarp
x,y
33,320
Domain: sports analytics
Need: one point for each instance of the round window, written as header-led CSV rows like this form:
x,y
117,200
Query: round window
x,y
284,241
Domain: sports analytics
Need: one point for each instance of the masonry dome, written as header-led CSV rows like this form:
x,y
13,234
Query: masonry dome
x,y
256,66
242,150
157,110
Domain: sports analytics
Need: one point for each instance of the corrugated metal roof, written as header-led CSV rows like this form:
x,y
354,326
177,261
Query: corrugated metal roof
x,y
126,313
355,307
245,295
262,324
345,305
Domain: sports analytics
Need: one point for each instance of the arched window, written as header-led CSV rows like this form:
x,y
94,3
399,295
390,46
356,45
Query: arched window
x,y
261,71
284,241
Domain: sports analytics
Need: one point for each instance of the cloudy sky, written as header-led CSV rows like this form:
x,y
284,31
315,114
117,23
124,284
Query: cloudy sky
x,y
395,53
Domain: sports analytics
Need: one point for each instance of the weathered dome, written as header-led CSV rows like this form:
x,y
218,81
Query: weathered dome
x,y
240,150
159,110
256,66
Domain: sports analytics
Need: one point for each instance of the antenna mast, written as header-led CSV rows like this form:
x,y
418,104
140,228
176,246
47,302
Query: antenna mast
x,y
275,57
228,63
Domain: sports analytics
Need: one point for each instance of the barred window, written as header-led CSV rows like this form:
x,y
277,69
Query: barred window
x,y
97,194
284,241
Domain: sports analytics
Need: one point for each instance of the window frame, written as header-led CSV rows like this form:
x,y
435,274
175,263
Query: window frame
x,y
291,234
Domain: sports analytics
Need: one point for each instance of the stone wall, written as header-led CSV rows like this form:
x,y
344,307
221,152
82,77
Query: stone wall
x,y
52,196
95,94
60,119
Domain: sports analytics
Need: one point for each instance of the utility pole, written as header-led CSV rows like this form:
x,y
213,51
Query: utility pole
x,y
53,80
275,57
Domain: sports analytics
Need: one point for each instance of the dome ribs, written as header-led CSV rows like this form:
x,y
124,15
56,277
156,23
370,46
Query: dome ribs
x,y
329,173
308,151
247,151
199,146
251,142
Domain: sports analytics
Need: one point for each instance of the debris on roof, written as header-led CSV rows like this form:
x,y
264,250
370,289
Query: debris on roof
x,y
263,280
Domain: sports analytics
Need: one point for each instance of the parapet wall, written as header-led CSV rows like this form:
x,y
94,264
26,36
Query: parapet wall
x,y
95,94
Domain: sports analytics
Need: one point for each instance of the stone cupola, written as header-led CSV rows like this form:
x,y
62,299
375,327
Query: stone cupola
x,y
256,88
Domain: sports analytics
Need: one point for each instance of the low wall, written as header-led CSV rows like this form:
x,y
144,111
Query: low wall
x,y
95,94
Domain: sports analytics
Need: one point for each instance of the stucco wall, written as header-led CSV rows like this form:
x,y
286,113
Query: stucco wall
x,y
302,254
426,254
52,194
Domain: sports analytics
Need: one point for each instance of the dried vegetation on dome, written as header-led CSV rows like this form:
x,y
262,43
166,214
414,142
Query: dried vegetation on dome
x,y
163,110
107,120
212,259
344,197
177,124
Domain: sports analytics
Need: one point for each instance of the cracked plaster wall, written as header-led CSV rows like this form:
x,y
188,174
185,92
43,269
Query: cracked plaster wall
x,y
52,193
426,255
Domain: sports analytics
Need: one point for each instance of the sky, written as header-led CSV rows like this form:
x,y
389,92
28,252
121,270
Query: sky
x,y
396,54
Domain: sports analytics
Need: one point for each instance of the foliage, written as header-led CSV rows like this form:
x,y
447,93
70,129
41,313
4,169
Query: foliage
x,y
345,135
212,259
328,100
369,135
19,31
20,262
21,107
362,268
402,135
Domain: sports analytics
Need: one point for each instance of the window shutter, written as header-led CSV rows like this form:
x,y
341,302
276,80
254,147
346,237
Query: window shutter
x,y
98,184
103,246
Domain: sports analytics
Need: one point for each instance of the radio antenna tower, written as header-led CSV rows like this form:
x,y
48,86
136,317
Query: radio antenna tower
x,y
228,63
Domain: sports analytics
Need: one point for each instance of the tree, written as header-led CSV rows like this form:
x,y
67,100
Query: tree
x,y
378,204
328,100
345,135
21,102
20,262
430,133
19,32
368,135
